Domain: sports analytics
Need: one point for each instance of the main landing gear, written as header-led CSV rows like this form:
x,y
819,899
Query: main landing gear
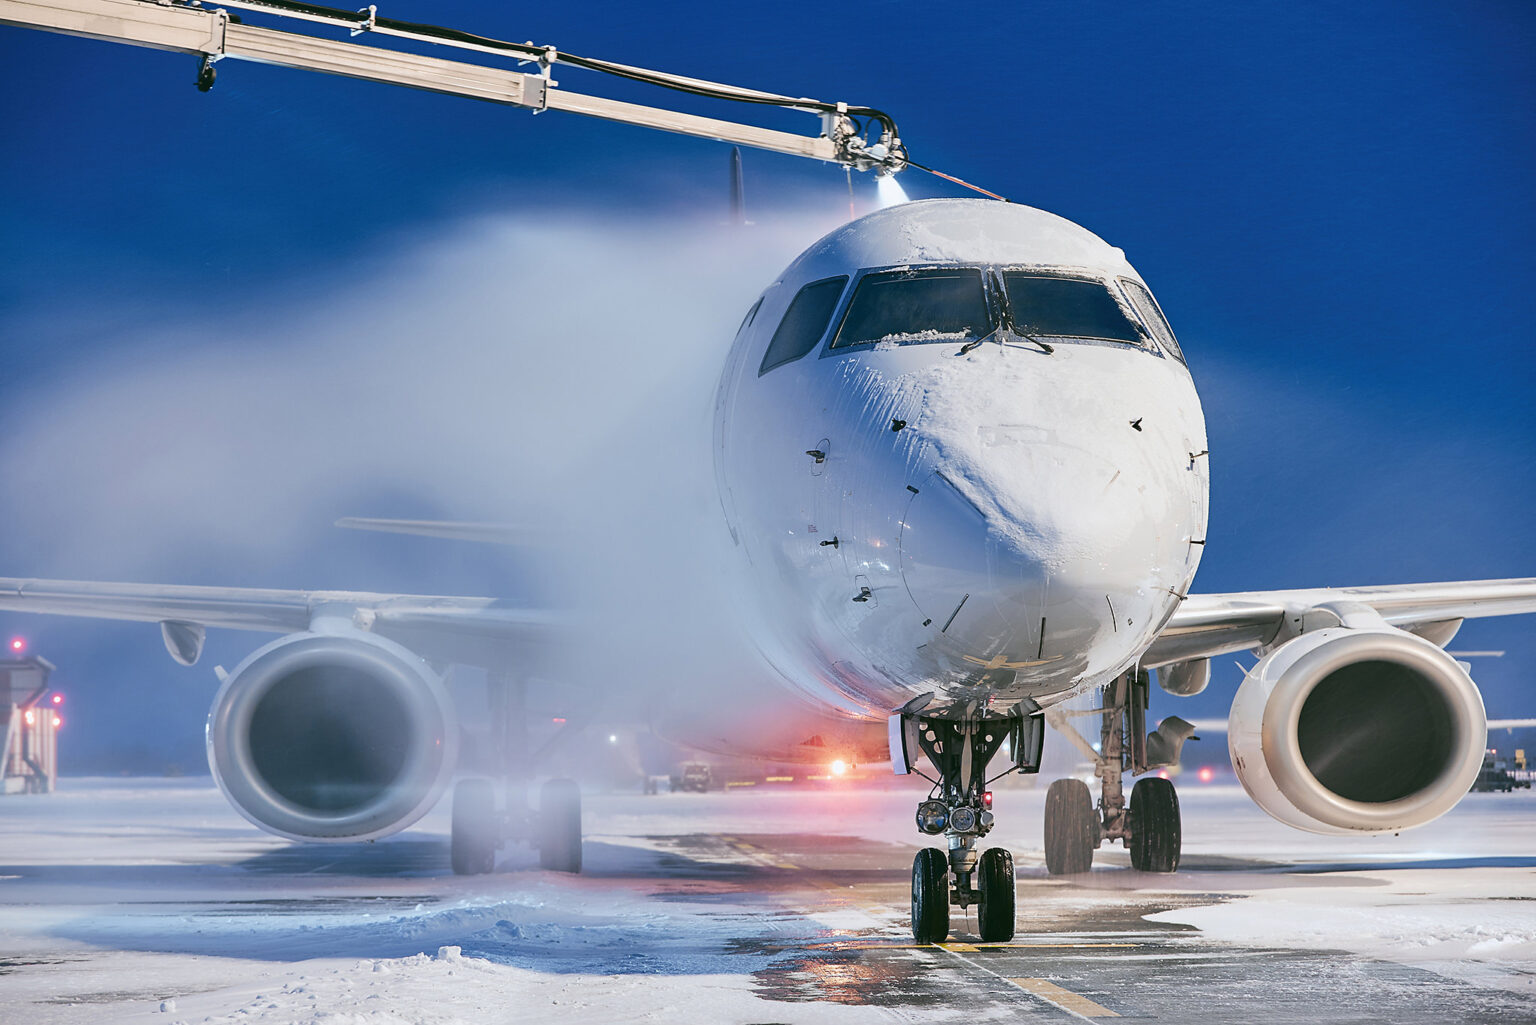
x,y
1150,826
960,743
481,827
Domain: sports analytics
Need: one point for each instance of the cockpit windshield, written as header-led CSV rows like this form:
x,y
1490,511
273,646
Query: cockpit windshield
x,y
1053,306
906,306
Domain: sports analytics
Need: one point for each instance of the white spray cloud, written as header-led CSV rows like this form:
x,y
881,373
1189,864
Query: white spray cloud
x,y
889,192
556,371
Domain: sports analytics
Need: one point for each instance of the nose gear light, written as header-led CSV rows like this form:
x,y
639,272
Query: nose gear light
x,y
932,817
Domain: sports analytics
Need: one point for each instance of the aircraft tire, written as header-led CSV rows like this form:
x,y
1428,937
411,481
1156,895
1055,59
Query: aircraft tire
x,y
930,896
995,915
1071,828
472,848
560,826
1156,830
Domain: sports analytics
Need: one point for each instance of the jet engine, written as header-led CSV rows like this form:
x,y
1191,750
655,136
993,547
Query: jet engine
x,y
332,736
1367,729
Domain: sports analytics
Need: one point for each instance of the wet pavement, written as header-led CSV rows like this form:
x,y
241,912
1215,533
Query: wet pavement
x,y
1083,950
778,906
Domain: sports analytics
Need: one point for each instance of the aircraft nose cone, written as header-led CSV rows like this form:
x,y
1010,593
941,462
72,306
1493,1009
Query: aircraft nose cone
x,y
978,587
950,558
1022,591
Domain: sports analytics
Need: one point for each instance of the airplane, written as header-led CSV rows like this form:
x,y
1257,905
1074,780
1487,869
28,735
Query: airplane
x,y
963,467
964,470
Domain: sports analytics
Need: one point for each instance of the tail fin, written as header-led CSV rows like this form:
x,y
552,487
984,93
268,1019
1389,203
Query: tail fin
x,y
738,191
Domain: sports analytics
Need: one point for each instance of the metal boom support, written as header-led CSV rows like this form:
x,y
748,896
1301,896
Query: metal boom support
x,y
214,34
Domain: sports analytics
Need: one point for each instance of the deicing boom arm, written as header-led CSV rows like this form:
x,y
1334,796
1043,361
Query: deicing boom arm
x,y
214,34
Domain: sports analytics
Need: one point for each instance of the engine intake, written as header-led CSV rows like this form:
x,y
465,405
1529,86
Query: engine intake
x,y
321,736
1365,730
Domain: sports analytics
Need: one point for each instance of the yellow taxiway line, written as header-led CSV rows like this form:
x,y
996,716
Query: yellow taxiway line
x,y
1063,998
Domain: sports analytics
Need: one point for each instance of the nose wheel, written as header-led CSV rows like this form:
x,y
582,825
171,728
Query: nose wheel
x,y
930,896
960,743
995,913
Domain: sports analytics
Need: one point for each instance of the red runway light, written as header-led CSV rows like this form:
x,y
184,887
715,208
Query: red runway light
x,y
58,699
17,644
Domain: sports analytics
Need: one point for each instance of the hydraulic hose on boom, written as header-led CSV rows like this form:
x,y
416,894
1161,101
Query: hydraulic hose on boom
x,y
861,138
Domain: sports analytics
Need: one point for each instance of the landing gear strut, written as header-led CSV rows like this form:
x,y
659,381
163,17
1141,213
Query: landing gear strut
x,y
960,742
1150,826
480,828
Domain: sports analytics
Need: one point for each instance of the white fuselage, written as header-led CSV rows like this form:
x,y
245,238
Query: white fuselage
x,y
993,524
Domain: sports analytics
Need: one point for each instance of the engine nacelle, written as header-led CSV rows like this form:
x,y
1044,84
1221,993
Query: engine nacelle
x,y
1366,730
332,736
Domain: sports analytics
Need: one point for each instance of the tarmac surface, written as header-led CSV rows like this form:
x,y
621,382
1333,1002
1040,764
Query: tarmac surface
x,y
766,904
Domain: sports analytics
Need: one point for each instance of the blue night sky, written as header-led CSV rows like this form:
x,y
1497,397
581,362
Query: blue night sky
x,y
1334,203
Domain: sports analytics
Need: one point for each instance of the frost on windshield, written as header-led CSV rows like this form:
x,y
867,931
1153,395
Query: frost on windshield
x,y
902,307
1153,315
907,337
1044,304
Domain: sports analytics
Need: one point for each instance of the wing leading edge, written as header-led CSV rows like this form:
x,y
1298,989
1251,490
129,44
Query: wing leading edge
x,y
473,631
1206,625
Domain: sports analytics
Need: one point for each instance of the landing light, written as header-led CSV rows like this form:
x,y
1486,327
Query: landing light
x,y
31,717
932,816
1206,774
613,738
986,799
58,699
839,767
17,644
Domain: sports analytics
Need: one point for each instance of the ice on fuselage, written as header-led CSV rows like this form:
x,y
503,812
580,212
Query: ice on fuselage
x,y
1073,499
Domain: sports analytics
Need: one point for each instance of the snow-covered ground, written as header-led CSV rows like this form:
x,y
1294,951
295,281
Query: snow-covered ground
x,y
150,900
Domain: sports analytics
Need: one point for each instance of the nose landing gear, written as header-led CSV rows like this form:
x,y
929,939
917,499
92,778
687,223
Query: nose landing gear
x,y
960,742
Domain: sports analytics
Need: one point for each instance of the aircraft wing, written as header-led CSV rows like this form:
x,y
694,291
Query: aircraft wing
x,y
473,631
1216,624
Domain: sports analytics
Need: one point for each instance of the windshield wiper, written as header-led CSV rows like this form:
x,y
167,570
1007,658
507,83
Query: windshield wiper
x,y
1002,336
1045,347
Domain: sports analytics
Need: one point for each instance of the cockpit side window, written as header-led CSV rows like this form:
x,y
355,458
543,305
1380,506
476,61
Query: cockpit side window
x,y
804,322
1054,306
750,317
907,306
1153,315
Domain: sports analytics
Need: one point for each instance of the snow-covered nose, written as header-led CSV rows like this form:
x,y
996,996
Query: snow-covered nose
x,y
1007,580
